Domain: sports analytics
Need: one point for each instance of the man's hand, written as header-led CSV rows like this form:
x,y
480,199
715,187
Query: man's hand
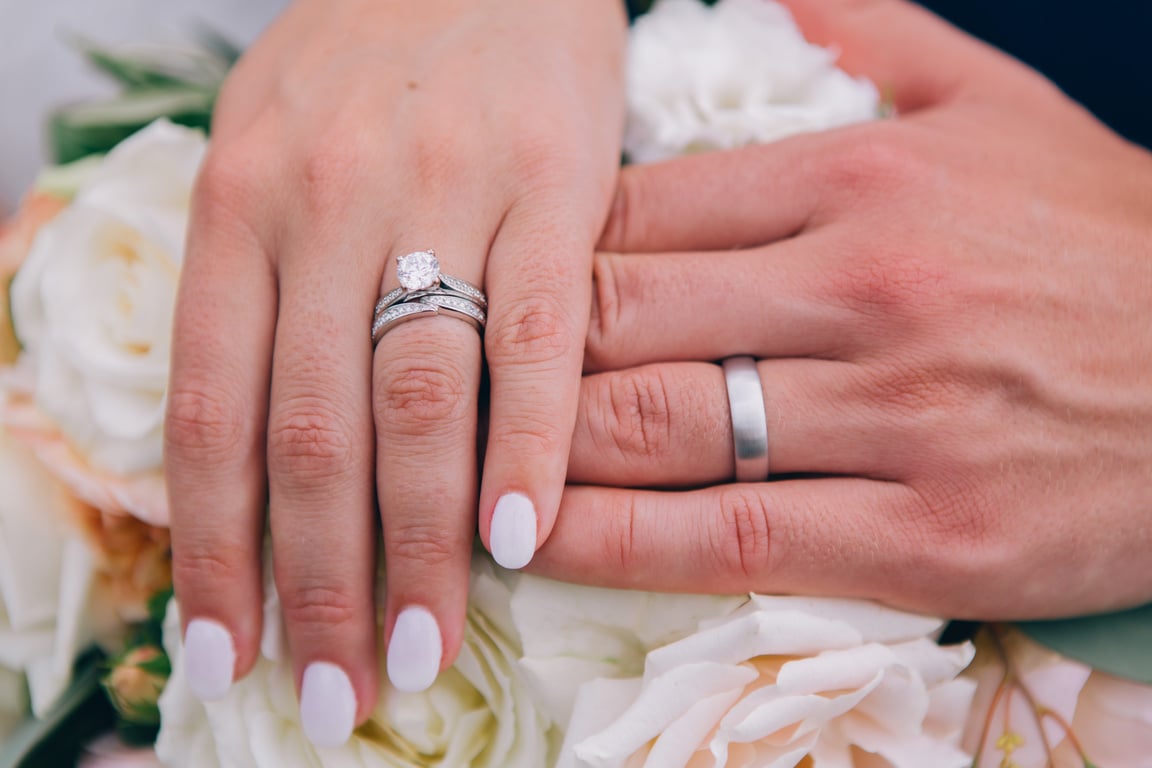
x,y
953,313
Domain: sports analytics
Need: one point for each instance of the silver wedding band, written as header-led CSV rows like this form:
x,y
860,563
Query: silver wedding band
x,y
749,419
426,291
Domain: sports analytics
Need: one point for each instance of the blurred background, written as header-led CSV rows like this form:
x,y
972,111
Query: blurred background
x,y
38,71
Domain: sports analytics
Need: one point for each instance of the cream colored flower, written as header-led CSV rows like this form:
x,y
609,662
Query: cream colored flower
x,y
739,73
47,616
478,714
1108,718
93,301
781,682
574,634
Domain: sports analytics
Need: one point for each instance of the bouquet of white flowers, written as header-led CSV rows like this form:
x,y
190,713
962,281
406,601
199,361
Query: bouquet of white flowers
x,y
550,674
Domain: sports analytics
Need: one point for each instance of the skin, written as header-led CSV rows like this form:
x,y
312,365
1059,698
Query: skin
x,y
951,312
352,132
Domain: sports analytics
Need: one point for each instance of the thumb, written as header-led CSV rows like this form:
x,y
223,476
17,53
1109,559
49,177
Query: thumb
x,y
912,55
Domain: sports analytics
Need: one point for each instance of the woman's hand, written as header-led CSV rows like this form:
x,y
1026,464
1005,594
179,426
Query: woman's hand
x,y
354,132
953,313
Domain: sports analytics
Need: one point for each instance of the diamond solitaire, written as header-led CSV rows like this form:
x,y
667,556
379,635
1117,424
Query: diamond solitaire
x,y
418,271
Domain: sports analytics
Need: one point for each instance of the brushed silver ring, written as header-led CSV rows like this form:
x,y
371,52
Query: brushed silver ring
x,y
749,419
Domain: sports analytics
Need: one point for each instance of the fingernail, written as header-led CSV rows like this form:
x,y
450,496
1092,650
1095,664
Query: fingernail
x,y
513,536
327,705
209,659
415,650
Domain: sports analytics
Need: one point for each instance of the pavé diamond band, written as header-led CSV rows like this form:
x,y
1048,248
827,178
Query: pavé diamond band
x,y
749,419
424,290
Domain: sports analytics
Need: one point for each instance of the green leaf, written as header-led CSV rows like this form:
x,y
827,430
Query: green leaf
x,y
158,605
64,181
218,45
88,129
81,714
1117,643
148,67
128,71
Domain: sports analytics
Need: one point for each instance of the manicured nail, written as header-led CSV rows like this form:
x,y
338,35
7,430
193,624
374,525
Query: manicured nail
x,y
327,705
415,650
209,659
513,536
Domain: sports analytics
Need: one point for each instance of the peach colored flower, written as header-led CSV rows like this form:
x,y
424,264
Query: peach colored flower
x,y
143,495
778,682
16,237
132,560
1052,710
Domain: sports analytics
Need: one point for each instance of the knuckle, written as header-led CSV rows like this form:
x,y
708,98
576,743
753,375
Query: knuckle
x,y
954,511
414,393
897,286
906,387
743,543
330,170
954,534
528,434
308,441
638,415
439,155
200,569
322,607
230,180
547,153
880,158
203,424
535,331
420,542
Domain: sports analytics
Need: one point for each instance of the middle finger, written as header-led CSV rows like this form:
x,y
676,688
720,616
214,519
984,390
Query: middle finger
x,y
771,301
320,490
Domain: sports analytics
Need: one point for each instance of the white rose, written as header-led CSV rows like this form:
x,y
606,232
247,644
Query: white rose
x,y
93,301
781,681
46,575
1109,718
478,714
574,634
738,73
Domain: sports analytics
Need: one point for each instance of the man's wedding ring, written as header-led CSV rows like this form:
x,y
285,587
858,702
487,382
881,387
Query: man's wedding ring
x,y
424,291
749,419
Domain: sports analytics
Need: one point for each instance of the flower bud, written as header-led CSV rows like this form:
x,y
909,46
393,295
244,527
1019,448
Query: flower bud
x,y
135,683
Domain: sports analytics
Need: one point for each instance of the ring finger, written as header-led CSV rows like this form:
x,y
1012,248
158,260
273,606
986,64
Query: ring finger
x,y
669,425
426,380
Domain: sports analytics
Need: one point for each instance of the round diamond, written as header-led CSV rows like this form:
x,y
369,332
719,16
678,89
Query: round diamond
x,y
418,271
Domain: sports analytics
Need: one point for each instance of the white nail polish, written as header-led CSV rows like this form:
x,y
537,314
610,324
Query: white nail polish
x,y
327,705
415,650
209,659
513,536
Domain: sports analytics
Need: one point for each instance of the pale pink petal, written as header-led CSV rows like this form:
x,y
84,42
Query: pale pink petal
x,y
1114,722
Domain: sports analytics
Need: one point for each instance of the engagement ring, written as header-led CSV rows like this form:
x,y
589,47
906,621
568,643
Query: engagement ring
x,y
425,290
